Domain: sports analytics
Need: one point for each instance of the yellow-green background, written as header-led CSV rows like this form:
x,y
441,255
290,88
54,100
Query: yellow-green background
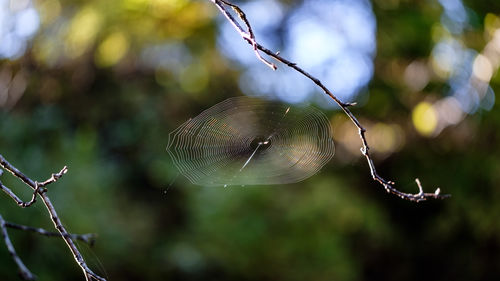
x,y
88,105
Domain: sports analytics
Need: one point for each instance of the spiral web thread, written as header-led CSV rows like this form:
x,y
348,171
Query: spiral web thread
x,y
248,141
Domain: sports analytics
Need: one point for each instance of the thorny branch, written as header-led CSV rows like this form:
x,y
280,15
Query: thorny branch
x,y
248,36
40,190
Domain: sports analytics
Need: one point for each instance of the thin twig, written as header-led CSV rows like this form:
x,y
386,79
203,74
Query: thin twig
x,y
248,36
19,202
23,270
88,273
88,238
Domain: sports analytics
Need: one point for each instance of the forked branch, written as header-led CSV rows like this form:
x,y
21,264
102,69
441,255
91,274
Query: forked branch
x,y
247,34
40,190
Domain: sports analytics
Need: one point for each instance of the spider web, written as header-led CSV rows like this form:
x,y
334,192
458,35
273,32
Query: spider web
x,y
248,141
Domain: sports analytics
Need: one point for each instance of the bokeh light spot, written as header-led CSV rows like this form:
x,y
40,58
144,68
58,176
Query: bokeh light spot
x,y
424,118
27,23
444,57
112,49
386,138
82,31
417,75
491,24
482,68
19,22
49,10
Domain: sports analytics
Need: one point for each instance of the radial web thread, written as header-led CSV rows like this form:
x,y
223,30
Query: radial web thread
x,y
248,141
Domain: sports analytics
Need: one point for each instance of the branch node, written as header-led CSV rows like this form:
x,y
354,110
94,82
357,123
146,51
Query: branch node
x,y
420,189
348,104
364,150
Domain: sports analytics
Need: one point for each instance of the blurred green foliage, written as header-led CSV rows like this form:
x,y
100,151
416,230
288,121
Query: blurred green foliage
x,y
89,104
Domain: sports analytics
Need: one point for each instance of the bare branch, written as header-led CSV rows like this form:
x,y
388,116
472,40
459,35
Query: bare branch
x,y
37,188
54,177
89,274
23,270
88,238
247,35
250,38
12,195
